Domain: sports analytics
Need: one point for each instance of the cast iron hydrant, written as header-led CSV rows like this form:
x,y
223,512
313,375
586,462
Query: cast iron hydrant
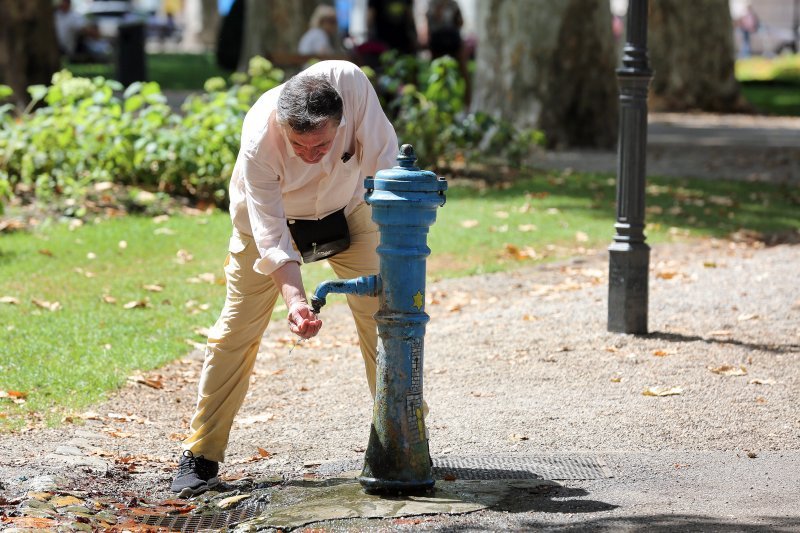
x,y
404,200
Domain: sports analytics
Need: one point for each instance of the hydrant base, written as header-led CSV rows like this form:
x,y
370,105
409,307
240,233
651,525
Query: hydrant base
x,y
374,485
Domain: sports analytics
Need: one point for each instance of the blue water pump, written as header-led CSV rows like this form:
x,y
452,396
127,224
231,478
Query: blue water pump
x,y
404,200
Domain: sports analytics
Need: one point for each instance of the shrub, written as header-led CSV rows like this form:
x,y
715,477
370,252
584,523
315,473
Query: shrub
x,y
79,136
426,101
80,132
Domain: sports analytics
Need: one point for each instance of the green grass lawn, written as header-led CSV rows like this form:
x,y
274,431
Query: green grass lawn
x,y
772,85
64,360
773,98
171,71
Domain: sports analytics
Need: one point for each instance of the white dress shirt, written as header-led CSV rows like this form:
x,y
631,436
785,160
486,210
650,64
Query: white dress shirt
x,y
270,183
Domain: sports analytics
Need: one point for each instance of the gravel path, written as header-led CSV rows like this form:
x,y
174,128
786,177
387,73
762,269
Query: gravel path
x,y
516,363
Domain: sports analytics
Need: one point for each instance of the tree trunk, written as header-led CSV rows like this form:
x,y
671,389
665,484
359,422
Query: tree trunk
x,y
274,27
692,55
551,67
28,48
211,19
202,24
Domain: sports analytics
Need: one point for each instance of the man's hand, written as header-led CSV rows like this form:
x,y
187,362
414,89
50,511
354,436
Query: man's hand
x,y
303,321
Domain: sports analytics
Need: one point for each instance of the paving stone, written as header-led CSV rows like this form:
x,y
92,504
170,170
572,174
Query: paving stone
x,y
69,450
45,483
94,463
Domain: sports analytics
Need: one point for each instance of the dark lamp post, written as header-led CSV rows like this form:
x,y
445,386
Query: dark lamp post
x,y
629,255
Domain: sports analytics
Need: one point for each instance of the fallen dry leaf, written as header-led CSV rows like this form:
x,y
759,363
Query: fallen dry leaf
x,y
13,394
501,214
231,500
518,253
9,300
153,288
660,353
469,223
757,381
45,251
11,225
150,382
581,237
117,434
745,317
518,436
205,277
662,391
666,274
729,370
183,256
255,419
44,304
525,228
109,299
137,304
30,523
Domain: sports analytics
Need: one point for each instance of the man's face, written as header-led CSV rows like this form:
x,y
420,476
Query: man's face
x,y
311,147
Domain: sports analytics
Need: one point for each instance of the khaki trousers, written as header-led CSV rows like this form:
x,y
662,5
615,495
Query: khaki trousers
x,y
234,340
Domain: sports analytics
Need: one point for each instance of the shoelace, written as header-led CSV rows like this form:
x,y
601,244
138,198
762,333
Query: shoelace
x,y
192,464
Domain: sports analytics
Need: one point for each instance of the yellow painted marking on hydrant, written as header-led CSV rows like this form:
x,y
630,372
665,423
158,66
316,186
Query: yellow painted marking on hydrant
x,y
420,423
418,301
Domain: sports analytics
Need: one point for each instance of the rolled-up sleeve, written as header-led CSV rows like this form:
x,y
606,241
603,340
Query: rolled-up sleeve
x,y
267,218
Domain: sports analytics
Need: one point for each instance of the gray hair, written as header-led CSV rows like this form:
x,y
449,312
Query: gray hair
x,y
308,103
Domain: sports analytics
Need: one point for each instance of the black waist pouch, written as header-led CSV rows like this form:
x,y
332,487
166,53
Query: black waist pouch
x,y
320,239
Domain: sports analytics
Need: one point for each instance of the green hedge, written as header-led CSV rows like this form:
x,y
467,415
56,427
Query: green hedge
x,y
80,134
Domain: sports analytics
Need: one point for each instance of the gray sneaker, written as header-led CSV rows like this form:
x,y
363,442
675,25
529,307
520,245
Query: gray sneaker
x,y
195,475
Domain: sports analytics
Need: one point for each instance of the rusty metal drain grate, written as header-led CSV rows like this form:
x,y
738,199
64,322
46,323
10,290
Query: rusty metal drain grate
x,y
202,522
496,467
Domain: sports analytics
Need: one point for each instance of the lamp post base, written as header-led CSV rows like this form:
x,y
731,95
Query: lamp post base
x,y
628,287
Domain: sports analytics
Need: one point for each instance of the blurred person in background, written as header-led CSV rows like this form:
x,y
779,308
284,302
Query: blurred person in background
x,y
748,24
322,38
444,22
78,38
391,22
